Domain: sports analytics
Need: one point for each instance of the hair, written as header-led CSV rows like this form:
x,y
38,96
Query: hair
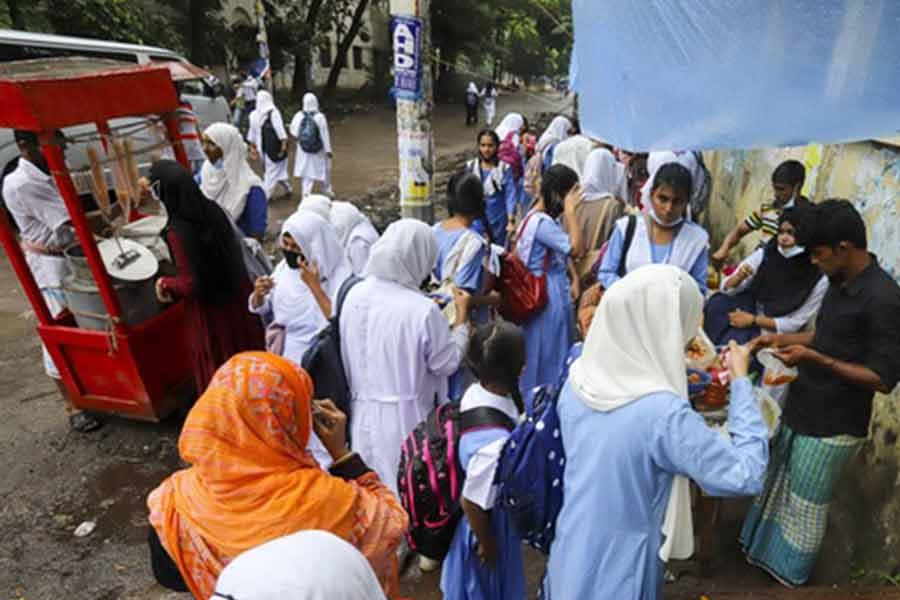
x,y
496,355
676,176
494,137
799,216
465,195
790,172
556,182
831,222
576,125
27,137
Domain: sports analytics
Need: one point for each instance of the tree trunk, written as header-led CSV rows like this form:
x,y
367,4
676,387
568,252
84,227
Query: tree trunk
x,y
343,47
303,55
15,14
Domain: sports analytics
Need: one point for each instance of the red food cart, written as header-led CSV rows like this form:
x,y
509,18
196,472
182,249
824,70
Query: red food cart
x,y
141,371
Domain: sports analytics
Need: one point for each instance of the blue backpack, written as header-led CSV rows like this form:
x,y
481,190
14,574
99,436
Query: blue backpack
x,y
530,471
310,138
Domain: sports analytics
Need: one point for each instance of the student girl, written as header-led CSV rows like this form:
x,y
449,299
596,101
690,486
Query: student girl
x,y
500,191
485,557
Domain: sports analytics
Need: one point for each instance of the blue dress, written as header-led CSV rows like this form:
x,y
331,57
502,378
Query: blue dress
x,y
550,334
619,471
469,277
463,576
499,205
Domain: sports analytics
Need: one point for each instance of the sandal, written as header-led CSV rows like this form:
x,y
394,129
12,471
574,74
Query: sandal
x,y
82,422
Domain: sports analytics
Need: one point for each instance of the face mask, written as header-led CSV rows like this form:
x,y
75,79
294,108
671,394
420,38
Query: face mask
x,y
291,258
792,251
219,164
661,223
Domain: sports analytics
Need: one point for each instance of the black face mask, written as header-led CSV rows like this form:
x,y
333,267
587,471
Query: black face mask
x,y
292,258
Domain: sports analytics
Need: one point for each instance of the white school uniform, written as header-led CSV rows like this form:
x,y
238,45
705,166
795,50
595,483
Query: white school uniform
x,y
309,167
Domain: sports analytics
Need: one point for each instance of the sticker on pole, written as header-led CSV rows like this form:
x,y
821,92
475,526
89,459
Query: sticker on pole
x,y
406,33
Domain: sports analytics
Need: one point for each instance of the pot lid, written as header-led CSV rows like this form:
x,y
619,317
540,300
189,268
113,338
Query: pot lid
x,y
127,260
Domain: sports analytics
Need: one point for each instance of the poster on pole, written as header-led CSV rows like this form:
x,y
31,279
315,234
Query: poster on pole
x,y
406,34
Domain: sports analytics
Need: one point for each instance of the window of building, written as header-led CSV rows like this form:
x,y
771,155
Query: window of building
x,y
325,55
358,58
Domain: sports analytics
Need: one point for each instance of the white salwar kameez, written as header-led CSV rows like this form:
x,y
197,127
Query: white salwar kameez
x,y
396,346
309,167
275,171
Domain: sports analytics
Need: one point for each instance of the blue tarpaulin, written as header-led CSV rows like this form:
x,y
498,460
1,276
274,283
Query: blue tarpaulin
x,y
703,74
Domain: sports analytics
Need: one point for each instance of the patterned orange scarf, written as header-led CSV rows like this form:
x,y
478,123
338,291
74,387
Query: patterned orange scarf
x,y
251,479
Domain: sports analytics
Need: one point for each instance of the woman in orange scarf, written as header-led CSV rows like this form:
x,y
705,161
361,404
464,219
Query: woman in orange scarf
x,y
251,479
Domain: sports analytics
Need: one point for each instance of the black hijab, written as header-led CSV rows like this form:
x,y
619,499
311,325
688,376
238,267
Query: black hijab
x,y
204,231
782,284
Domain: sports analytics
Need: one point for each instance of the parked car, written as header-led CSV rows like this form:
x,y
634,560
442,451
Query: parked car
x,y
197,86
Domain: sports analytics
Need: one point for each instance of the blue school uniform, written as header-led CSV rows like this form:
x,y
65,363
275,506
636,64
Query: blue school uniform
x,y
463,576
469,277
500,204
549,335
607,541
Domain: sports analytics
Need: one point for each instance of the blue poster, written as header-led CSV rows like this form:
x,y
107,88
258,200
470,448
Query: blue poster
x,y
406,35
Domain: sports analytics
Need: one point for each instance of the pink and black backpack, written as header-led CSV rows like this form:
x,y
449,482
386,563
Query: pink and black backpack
x,y
430,478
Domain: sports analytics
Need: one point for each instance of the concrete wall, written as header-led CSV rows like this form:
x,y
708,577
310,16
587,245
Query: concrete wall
x,y
863,537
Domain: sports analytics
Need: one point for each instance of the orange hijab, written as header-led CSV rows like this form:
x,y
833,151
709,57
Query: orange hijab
x,y
251,479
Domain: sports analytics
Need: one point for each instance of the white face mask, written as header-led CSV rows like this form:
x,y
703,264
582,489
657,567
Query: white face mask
x,y
219,164
662,223
792,251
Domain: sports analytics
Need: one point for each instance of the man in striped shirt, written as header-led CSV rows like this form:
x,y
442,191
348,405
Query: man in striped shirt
x,y
787,181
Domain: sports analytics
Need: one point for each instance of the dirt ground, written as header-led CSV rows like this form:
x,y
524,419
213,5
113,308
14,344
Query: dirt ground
x,y
54,480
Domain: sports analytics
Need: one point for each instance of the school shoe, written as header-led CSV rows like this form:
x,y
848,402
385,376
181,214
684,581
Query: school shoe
x,y
427,565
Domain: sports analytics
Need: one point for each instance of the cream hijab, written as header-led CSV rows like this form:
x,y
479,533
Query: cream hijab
x,y
405,254
320,245
603,176
635,347
309,565
229,185
557,131
573,153
318,204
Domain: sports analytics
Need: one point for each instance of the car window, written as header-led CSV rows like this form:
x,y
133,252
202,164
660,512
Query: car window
x,y
11,52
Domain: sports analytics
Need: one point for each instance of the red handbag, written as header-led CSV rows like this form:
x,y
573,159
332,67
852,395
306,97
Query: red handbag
x,y
524,293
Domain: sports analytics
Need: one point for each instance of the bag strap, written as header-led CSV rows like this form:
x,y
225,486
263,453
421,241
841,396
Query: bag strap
x,y
342,294
484,417
629,236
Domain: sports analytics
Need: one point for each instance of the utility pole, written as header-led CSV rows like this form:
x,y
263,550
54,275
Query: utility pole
x,y
411,41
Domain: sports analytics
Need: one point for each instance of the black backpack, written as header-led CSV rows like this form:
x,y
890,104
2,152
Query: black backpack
x,y
271,142
430,476
471,99
323,359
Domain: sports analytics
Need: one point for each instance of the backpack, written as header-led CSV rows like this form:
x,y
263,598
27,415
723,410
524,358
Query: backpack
x,y
530,471
271,143
509,154
430,477
471,99
323,359
310,137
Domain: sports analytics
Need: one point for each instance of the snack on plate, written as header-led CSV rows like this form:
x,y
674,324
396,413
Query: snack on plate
x,y
776,373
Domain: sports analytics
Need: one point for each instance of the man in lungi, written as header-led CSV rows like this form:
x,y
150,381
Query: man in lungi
x,y
853,353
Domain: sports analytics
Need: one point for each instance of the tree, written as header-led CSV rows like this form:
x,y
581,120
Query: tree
x,y
16,13
343,47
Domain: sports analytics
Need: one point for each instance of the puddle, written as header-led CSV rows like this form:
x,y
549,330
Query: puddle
x,y
117,500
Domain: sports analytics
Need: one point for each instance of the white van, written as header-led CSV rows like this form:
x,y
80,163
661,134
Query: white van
x,y
205,98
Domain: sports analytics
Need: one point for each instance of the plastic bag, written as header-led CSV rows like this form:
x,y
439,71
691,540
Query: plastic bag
x,y
776,373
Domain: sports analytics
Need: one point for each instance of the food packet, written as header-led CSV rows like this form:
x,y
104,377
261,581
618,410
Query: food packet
x,y
776,373
700,353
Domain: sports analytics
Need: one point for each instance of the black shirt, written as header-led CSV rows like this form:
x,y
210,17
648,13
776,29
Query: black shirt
x,y
859,322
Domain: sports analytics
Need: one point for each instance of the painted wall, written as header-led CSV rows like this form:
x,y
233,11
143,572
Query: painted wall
x,y
863,538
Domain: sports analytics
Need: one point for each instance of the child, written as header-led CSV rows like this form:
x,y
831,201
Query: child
x,y
485,558
500,191
787,181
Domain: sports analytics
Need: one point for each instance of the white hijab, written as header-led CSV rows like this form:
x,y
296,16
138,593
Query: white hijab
x,y
603,176
557,131
511,122
345,217
308,565
320,245
228,187
635,347
264,104
657,159
318,204
310,103
405,254
573,153
472,89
